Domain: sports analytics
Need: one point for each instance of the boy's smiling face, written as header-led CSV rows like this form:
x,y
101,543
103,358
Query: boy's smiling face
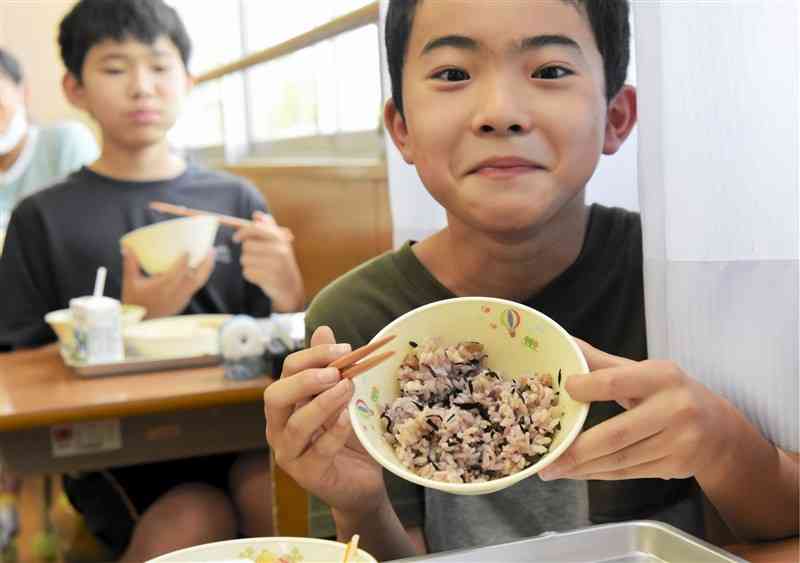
x,y
505,110
133,90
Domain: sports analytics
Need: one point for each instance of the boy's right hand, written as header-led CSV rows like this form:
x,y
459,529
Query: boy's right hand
x,y
309,430
164,294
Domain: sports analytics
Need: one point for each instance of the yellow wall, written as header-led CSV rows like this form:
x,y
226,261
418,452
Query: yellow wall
x,y
29,29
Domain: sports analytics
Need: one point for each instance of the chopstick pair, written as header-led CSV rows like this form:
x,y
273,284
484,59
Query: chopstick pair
x,y
349,364
235,222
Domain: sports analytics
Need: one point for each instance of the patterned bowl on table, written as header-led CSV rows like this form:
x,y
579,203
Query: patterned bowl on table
x,y
266,550
517,339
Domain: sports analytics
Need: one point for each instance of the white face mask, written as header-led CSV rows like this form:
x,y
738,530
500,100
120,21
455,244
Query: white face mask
x,y
15,131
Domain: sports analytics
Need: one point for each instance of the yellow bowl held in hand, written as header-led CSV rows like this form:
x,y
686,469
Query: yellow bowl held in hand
x,y
158,246
517,340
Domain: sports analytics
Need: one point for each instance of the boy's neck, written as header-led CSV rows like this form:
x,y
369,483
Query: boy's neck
x,y
7,160
470,263
151,163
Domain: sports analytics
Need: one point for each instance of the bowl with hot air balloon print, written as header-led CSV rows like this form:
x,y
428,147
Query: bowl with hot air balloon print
x,y
515,341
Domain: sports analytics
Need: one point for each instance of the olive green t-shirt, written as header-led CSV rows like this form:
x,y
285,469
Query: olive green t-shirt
x,y
599,299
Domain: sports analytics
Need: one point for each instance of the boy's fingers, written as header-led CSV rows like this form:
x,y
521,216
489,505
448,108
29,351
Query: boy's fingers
x,y
179,269
331,442
203,271
264,218
597,359
130,265
633,381
323,335
305,422
317,356
610,438
282,397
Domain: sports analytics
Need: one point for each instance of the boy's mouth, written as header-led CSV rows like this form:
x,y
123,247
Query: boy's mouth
x,y
144,116
505,167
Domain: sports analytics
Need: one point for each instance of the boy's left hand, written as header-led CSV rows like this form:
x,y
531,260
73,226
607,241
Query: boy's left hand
x,y
268,261
674,427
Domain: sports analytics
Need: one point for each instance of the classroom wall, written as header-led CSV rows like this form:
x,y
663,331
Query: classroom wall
x,y
28,28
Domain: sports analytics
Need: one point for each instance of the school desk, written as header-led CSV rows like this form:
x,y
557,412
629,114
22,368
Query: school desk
x,y
52,421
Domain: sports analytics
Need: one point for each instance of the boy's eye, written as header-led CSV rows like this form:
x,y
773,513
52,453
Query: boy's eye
x,y
113,71
160,68
553,72
452,75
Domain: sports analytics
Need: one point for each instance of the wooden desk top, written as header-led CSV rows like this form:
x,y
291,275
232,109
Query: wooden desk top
x,y
37,389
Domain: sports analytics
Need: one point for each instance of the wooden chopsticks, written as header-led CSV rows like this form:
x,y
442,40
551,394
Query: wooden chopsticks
x,y
349,364
235,222
352,548
171,209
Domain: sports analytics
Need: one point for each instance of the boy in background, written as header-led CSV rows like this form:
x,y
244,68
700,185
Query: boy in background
x,y
505,108
126,66
31,156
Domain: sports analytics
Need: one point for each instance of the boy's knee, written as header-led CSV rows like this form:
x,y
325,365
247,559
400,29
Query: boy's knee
x,y
251,470
251,489
199,513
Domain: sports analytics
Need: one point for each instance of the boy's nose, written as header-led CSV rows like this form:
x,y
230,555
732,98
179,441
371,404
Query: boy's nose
x,y
141,83
502,112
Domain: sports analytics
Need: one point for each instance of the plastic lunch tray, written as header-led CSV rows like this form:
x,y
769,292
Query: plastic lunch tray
x,y
139,365
641,541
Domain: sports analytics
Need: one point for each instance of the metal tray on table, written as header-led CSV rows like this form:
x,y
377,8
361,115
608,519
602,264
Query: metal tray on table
x,y
141,364
640,541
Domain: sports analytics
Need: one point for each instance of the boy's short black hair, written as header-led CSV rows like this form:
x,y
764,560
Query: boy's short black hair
x,y
608,19
9,65
93,21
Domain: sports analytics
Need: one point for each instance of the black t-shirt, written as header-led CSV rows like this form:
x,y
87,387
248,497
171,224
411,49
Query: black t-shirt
x,y
58,237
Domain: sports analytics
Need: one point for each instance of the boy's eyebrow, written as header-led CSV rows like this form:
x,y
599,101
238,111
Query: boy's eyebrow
x,y
155,53
457,41
528,44
540,41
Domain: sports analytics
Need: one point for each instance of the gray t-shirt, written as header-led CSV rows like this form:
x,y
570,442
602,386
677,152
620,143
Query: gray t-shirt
x,y
600,299
58,237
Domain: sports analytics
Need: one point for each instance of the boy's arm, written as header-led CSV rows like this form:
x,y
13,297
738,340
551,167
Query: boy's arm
x,y
677,428
26,289
754,485
268,260
382,534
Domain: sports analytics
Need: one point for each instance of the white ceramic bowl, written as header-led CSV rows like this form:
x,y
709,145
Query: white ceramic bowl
x,y
160,245
517,339
266,550
170,337
61,323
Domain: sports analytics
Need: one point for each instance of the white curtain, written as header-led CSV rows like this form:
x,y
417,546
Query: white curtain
x,y
719,162
416,214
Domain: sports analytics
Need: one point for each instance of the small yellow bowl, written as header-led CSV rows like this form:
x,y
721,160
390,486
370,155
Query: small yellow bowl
x,y
160,245
518,340
61,323
266,550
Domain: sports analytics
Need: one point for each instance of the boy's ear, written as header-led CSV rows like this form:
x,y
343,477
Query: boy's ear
x,y
396,126
190,82
74,91
620,119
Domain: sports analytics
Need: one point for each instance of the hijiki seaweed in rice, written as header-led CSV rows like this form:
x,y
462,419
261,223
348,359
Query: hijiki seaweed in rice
x,y
457,420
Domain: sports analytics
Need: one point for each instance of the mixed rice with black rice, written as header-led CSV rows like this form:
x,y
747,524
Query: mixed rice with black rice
x,y
456,420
